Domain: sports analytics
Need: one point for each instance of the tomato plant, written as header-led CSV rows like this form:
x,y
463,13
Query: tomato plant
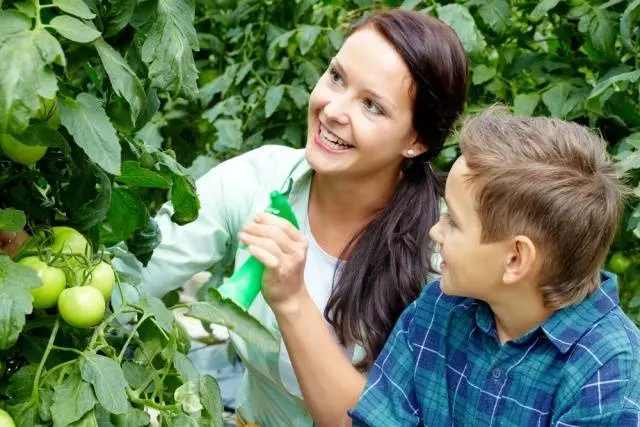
x,y
83,168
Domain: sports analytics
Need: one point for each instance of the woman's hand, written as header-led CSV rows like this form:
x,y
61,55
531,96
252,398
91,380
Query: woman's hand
x,y
283,251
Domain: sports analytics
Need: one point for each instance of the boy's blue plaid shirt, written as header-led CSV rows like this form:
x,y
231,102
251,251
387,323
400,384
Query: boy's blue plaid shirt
x,y
443,366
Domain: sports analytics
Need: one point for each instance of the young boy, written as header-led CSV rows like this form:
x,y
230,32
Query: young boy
x,y
522,329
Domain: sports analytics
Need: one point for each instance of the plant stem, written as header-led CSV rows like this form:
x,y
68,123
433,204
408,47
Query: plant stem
x,y
73,350
150,403
52,338
131,335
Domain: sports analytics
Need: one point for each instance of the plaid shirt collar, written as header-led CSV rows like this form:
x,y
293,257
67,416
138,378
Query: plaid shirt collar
x,y
566,326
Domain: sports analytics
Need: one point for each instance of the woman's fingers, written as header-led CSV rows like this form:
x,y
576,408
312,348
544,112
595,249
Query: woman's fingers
x,y
264,256
284,225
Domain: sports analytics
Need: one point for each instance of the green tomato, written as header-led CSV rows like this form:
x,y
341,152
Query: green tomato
x,y
53,282
103,278
66,240
19,152
81,306
5,419
48,113
618,263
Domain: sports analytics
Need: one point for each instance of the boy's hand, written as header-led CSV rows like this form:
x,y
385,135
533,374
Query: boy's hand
x,y
10,242
283,251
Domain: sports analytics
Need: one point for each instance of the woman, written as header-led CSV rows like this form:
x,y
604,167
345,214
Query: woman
x,y
365,198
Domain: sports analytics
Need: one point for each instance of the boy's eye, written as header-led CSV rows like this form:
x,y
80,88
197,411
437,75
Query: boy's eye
x,y
372,106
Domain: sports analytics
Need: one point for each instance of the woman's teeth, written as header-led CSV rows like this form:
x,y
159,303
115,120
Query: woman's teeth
x,y
332,141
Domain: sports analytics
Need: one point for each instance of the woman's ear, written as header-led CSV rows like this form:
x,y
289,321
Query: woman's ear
x,y
415,149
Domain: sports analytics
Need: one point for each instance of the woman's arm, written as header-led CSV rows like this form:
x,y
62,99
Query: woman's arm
x,y
329,383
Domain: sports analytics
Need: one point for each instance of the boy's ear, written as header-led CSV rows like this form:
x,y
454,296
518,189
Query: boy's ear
x,y
522,260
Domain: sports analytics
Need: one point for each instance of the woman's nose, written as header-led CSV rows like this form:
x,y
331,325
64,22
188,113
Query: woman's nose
x,y
337,109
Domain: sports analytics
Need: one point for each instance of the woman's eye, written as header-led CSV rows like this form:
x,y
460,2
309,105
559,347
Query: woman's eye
x,y
448,219
372,106
335,76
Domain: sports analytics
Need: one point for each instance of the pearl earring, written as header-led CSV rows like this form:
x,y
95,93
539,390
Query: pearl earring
x,y
410,152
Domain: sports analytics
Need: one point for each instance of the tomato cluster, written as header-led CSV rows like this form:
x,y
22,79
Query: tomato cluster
x,y
79,291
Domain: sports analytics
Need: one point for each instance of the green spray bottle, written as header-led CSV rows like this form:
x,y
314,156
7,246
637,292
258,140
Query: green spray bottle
x,y
245,284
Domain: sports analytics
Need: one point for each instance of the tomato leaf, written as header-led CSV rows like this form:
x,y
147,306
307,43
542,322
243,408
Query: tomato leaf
x,y
162,316
87,121
307,36
15,298
25,73
184,199
131,173
631,13
229,135
124,80
74,29
75,7
186,368
183,420
12,220
118,16
72,399
126,214
459,18
108,382
25,413
496,13
168,48
44,135
222,311
273,98
525,104
211,400
133,418
299,95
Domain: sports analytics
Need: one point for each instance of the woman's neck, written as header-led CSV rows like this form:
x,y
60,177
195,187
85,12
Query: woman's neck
x,y
350,201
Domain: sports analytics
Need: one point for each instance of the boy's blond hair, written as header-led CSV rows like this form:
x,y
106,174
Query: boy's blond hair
x,y
552,181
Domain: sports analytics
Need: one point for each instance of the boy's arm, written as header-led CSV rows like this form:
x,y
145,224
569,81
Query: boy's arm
x,y
607,399
389,396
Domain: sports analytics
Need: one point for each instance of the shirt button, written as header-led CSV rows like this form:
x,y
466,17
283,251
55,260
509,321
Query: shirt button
x,y
496,373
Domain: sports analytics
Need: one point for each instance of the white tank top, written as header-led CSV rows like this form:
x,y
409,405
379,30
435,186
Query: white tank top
x,y
318,276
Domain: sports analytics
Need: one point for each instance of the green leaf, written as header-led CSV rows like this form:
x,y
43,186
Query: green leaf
x,y
123,79
133,418
21,383
44,135
12,220
601,30
525,104
459,18
25,413
15,298
74,29
273,98
71,400
231,106
482,74
558,99
87,121
186,369
631,13
336,37
25,73
211,399
135,373
543,7
225,312
126,213
89,420
184,199
168,48
229,135
603,85
307,37
496,13
183,420
299,95
132,174
108,382
26,8
75,7
118,16
161,314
